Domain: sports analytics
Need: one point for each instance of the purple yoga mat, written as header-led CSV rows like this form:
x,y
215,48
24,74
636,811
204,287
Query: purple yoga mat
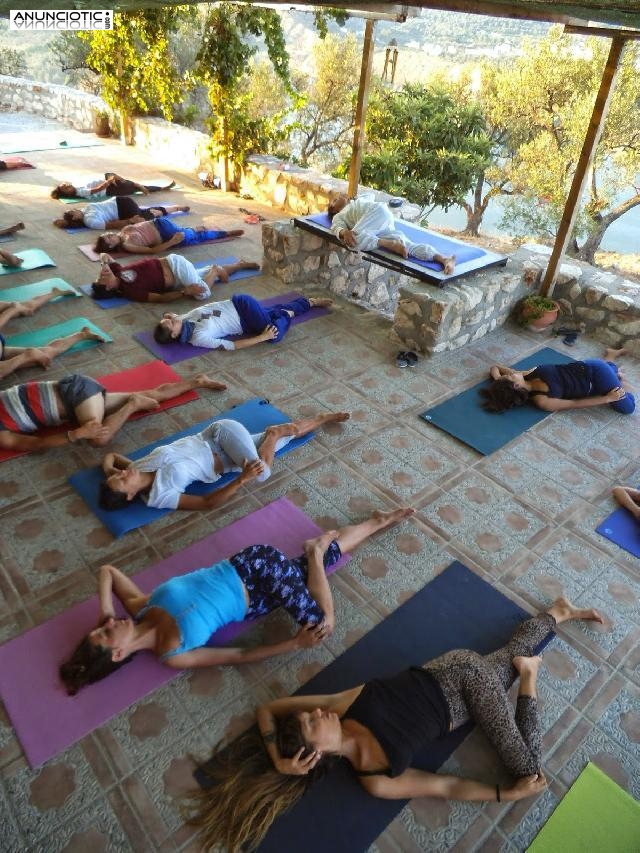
x,y
46,720
173,353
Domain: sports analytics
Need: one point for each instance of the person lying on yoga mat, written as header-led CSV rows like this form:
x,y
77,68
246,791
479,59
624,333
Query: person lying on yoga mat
x,y
209,325
81,400
99,189
364,224
9,260
153,237
114,213
175,621
160,279
628,498
11,229
555,387
162,477
10,310
14,358
378,727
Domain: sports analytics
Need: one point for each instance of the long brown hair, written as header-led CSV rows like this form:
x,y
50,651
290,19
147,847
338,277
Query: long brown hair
x,y
245,793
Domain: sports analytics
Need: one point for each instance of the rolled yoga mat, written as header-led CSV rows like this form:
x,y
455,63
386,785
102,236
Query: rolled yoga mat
x,y
176,352
32,259
256,415
140,378
595,815
622,529
44,336
464,418
46,720
37,288
456,610
119,301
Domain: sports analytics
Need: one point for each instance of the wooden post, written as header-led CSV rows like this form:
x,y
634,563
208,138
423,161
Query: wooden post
x,y
598,116
361,108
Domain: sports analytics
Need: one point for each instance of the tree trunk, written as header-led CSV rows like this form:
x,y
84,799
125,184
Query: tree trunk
x,y
475,213
591,245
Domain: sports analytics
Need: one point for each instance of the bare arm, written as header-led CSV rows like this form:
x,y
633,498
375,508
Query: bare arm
x,y
553,404
202,657
102,186
318,585
166,296
20,443
136,249
112,581
497,371
628,498
114,462
420,783
250,470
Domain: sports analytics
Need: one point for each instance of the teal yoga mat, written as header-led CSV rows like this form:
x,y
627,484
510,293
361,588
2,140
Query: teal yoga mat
x,y
32,259
37,288
42,337
464,418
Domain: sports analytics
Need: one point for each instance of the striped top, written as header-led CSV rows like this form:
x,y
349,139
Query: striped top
x,y
28,407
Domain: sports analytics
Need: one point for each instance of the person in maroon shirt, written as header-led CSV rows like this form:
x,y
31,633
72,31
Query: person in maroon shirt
x,y
160,279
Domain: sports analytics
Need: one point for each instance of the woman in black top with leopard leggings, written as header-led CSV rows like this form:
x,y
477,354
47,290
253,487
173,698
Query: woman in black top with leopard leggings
x,y
378,727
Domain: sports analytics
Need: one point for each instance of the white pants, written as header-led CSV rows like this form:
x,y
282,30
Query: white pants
x,y
233,443
185,273
379,222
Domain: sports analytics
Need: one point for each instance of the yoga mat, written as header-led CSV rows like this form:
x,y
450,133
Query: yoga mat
x,y
79,228
256,415
595,815
42,337
456,610
119,301
173,353
87,249
60,146
469,258
32,259
147,183
148,375
464,418
16,163
37,288
46,720
623,529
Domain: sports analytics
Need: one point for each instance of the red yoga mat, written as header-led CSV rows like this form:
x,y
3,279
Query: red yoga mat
x,y
148,375
45,719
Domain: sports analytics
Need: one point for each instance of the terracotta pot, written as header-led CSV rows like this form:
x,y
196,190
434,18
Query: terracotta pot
x,y
541,323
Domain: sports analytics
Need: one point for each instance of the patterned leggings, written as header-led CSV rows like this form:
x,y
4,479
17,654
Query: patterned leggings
x,y
273,580
475,688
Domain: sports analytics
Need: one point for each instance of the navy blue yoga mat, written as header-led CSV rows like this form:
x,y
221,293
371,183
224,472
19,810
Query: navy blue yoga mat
x,y
256,415
623,529
456,610
464,418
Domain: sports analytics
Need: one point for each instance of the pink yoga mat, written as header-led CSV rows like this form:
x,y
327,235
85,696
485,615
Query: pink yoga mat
x,y
46,720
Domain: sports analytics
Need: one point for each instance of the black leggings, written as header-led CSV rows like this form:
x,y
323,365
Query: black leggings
x,y
123,186
128,207
475,688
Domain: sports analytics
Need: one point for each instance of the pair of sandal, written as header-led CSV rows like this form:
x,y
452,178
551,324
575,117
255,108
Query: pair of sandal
x,y
406,359
569,335
251,218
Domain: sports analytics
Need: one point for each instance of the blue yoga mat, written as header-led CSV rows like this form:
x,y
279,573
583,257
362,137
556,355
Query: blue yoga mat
x,y
119,301
623,529
456,610
256,415
464,418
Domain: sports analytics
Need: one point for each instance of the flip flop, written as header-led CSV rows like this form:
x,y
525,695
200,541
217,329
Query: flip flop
x,y
411,357
252,219
402,360
570,339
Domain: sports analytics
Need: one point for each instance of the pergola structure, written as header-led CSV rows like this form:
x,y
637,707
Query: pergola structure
x,y
617,20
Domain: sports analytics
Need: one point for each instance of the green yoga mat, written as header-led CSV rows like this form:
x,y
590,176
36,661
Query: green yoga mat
x,y
59,147
32,259
42,337
28,291
595,816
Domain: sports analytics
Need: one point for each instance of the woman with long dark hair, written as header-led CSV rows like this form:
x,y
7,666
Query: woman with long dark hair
x,y
377,727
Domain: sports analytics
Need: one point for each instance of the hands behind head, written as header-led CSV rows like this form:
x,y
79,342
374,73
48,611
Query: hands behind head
x,y
298,766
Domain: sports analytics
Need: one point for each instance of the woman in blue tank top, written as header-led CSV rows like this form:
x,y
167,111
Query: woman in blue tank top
x,y
175,621
380,728
554,387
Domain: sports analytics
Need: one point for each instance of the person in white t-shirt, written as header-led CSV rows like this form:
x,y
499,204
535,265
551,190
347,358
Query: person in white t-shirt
x,y
162,476
115,212
110,185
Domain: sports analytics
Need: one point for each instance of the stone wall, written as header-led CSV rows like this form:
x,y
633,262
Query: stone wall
x,y
75,108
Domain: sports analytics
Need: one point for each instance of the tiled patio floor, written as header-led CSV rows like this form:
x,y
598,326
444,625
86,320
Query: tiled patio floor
x,y
523,518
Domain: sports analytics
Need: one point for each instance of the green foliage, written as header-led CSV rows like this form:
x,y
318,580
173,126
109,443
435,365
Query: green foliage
x,y
12,62
423,145
135,63
533,307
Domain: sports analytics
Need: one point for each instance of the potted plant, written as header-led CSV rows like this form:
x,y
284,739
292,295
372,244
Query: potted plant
x,y
101,123
537,312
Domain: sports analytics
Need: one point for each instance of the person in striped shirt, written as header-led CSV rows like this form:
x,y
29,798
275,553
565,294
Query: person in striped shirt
x,y
93,413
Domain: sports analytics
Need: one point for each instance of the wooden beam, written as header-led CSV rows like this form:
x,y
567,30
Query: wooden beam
x,y
598,116
361,108
606,32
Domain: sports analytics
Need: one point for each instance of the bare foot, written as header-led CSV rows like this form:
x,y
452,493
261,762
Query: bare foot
x,y
89,335
321,542
247,265
392,517
335,417
316,302
203,381
56,292
142,403
611,354
40,357
524,664
9,260
237,232
221,274
563,611
23,309
449,264
184,208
